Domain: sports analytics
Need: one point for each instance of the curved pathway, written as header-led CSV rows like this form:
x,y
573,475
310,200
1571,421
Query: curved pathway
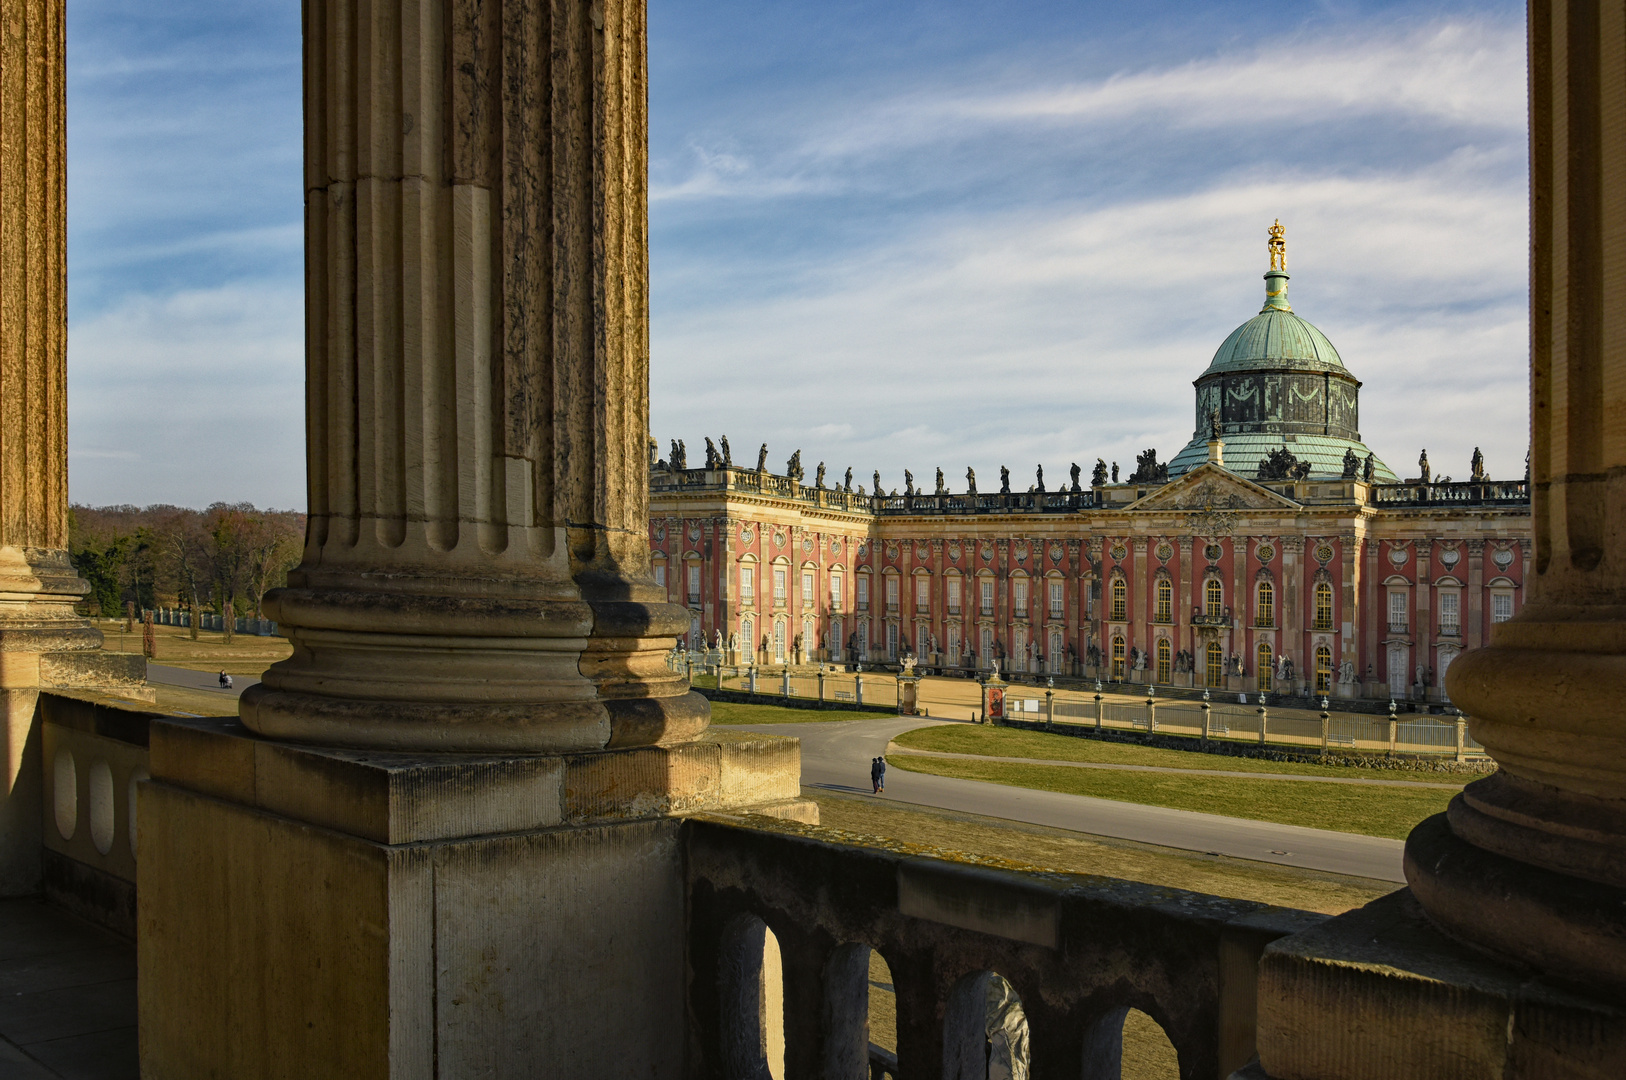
x,y
836,756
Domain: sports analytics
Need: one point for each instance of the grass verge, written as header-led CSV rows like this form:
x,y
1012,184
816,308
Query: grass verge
x,y
1369,810
729,712
1016,743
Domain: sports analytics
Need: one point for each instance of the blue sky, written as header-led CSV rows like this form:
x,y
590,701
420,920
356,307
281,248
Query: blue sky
x,y
893,236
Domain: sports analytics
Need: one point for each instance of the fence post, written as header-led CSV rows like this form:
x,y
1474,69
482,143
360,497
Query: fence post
x,y
1325,721
1261,725
1206,708
1151,711
751,675
821,684
858,688
1049,710
785,689
1098,710
1462,724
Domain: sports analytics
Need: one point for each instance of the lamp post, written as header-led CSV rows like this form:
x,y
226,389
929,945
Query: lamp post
x,y
1325,721
1050,703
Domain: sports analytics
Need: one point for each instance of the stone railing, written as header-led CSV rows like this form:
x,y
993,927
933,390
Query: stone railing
x,y
94,755
1078,951
836,498
1473,493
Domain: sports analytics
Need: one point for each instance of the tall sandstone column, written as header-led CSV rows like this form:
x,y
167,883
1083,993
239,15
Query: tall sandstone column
x,y
476,571
38,585
1531,863
448,844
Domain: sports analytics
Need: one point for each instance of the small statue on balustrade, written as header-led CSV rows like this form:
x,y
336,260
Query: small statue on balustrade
x,y
847,484
941,488
818,477
1351,464
1004,480
713,458
762,458
728,455
793,467
909,483
970,481
1075,471
1039,486
1424,474
1114,472
878,490
680,455
1477,467
1369,470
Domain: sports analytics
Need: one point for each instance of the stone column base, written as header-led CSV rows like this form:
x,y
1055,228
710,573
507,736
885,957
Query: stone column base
x,y
321,912
1379,993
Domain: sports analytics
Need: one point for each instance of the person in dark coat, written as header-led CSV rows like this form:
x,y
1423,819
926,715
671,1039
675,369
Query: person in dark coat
x,y
880,775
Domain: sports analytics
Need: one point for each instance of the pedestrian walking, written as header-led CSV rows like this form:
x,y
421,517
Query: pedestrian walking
x,y
880,774
225,681
875,776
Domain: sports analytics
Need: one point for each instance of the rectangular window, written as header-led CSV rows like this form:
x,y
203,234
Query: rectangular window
x,y
1056,601
660,575
987,597
1450,612
923,594
835,592
1021,601
892,592
863,592
807,586
748,584
1501,607
1398,622
778,586
694,581
954,596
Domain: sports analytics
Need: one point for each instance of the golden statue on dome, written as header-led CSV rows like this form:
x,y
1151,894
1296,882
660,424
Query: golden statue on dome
x,y
1278,246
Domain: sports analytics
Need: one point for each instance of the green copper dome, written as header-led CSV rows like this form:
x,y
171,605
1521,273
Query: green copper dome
x,y
1276,339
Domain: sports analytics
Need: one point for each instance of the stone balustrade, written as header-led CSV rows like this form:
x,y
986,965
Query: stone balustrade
x,y
1079,952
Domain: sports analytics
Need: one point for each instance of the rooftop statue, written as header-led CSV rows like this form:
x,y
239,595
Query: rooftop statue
x,y
1114,472
847,484
713,458
762,458
728,457
680,455
1098,476
878,490
1278,246
1148,470
1075,471
1424,474
1369,468
793,467
1214,424
970,480
909,483
940,486
818,477
1282,464
1004,480
1477,467
1351,463
1039,486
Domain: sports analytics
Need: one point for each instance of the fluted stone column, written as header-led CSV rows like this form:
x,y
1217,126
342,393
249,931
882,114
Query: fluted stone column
x,y
476,570
39,632
1531,863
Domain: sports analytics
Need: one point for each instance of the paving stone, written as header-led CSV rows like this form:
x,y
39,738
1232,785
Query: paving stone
x,y
104,1055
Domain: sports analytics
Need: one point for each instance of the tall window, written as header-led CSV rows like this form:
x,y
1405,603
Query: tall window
x,y
1323,669
987,653
1399,677
1163,665
1265,610
954,644
1055,652
923,593
1118,658
1056,599
694,582
1215,666
778,585
987,596
748,584
748,638
863,592
1265,661
1398,622
837,643
807,586
892,592
863,638
1020,603
1165,603
1323,606
923,640
1450,613
892,640
1120,599
1501,607
835,592
1214,598
779,639
660,574
1019,649
954,595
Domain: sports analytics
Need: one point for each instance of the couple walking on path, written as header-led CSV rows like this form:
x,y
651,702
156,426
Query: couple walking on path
x,y
877,774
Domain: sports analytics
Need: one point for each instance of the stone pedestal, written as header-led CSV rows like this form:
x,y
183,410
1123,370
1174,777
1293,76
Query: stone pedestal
x,y
315,912
1379,993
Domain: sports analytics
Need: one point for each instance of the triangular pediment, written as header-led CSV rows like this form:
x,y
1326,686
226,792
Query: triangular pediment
x,y
1209,488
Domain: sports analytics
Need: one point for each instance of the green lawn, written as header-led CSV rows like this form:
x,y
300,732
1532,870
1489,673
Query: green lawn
x,y
1016,743
728,712
1354,808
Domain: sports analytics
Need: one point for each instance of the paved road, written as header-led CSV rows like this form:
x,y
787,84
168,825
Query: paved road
x,y
198,680
836,755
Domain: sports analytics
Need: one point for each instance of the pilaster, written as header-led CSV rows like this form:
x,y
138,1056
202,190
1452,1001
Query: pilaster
x,y
1475,614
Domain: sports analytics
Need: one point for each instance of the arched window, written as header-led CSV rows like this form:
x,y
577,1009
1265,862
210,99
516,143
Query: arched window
x,y
1323,606
1118,658
1120,599
1165,603
779,641
748,638
1216,664
1163,659
1265,610
1266,664
1214,597
1323,669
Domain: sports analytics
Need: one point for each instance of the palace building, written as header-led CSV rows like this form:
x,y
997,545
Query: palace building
x,y
1275,552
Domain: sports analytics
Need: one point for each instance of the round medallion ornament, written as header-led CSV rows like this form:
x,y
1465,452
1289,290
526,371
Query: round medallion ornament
x,y
1165,551
1119,552
1503,558
694,531
1266,552
747,533
807,545
660,531
892,552
1055,554
987,553
1399,555
954,550
1450,557
1212,553
779,538
922,553
863,549
835,547
1323,553
1020,550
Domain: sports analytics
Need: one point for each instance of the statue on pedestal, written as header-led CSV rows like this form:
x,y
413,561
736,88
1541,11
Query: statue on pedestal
x,y
1075,471
1346,673
1369,470
713,458
793,467
909,483
1477,467
1351,464
762,458
1094,655
1004,480
1040,483
728,456
847,484
878,490
680,455
818,477
1213,424
1114,472
970,480
940,487
1424,474
1098,477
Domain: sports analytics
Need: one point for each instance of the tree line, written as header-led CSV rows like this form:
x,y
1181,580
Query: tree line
x,y
173,556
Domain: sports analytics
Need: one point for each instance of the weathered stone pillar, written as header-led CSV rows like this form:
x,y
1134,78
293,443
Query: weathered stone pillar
x,y
1531,863
476,571
447,842
41,638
